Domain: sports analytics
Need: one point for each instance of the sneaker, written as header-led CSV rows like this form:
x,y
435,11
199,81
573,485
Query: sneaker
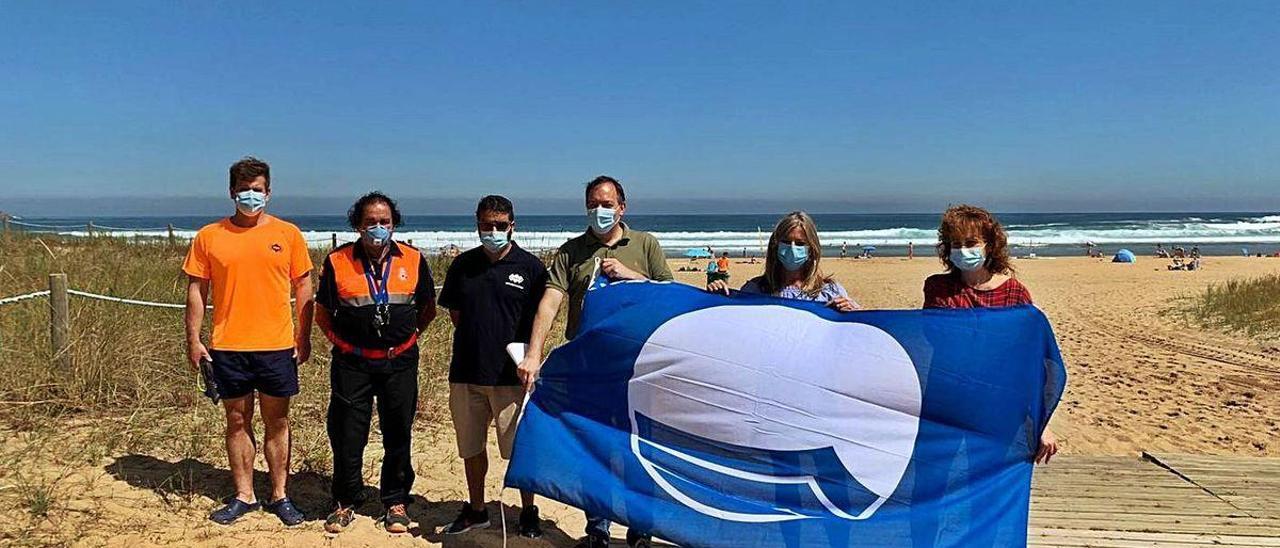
x,y
468,519
593,541
284,509
530,525
637,540
396,520
234,510
339,520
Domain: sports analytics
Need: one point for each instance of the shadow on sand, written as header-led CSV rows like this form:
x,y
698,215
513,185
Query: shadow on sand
x,y
187,479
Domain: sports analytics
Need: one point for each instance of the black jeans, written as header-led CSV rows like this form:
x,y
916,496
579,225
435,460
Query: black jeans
x,y
355,384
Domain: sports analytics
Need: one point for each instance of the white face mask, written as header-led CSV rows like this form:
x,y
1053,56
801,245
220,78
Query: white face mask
x,y
602,219
250,202
968,259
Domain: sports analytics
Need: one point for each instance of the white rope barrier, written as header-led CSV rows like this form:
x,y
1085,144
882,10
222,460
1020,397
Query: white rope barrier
x,y
159,229
86,294
17,298
37,225
124,301
105,228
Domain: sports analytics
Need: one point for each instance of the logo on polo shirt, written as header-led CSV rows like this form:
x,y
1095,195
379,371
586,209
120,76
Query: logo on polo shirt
x,y
516,281
276,247
404,274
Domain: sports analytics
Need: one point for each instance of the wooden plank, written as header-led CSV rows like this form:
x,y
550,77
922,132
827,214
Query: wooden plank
x,y
1077,537
1252,484
1124,502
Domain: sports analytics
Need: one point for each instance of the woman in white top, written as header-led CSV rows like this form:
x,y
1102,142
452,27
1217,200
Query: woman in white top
x,y
791,267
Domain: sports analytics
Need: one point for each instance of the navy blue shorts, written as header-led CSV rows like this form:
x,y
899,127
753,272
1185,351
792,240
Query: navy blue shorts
x,y
274,373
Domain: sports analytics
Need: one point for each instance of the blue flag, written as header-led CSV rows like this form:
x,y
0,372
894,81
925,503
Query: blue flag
x,y
748,420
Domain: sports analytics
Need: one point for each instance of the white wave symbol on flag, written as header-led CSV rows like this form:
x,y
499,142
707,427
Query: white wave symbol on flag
x,y
781,380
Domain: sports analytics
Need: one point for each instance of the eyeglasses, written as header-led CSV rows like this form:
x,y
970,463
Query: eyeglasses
x,y
501,225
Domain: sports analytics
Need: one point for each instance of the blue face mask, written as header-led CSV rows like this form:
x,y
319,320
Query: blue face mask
x,y
793,257
602,219
494,240
968,259
250,202
377,235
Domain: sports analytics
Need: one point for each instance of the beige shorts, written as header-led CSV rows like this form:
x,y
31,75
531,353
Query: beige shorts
x,y
475,407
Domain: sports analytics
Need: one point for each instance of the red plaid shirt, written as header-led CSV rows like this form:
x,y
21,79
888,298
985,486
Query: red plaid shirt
x,y
949,291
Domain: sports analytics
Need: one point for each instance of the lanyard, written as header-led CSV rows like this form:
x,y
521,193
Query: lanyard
x,y
378,286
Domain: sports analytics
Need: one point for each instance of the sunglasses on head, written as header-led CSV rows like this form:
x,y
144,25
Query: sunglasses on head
x,y
500,225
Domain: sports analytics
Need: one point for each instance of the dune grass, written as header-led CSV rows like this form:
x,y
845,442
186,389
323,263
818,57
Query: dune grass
x,y
1249,306
129,389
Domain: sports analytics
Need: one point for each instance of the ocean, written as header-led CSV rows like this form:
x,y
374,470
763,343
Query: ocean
x,y
1045,234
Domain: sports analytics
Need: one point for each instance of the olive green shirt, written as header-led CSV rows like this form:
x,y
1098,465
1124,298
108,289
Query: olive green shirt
x,y
575,261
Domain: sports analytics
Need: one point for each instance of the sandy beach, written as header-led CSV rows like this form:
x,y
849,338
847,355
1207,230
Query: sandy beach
x,y
1140,379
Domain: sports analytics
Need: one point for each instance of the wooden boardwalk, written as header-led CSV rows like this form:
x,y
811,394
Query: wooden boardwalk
x,y
1156,500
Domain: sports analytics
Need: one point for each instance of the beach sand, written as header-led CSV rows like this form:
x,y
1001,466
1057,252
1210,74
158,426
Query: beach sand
x,y
1140,379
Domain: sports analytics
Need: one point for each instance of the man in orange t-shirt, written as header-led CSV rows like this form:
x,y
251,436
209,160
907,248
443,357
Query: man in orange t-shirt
x,y
252,262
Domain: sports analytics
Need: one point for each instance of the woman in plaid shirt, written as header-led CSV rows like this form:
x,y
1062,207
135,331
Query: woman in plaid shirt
x,y
974,248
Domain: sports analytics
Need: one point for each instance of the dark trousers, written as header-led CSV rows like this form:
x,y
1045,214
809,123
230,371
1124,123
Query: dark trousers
x,y
355,384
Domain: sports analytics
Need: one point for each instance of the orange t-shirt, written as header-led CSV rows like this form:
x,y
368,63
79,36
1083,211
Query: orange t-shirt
x,y
250,273
722,264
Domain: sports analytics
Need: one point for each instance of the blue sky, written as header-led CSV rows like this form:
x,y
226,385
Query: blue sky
x,y
841,106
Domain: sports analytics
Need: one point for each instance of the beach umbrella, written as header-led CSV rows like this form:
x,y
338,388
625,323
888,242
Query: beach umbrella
x,y
697,253
868,248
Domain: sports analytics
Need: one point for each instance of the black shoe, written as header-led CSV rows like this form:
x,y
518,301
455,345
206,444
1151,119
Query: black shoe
x,y
592,541
396,520
637,540
530,526
339,520
468,519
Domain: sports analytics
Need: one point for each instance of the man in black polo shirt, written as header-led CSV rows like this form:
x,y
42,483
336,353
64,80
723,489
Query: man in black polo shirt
x,y
492,293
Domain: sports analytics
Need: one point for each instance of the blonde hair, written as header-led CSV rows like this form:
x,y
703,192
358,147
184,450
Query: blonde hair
x,y
775,275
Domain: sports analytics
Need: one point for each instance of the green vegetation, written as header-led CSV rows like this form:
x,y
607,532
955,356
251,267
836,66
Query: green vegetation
x,y
129,390
1250,306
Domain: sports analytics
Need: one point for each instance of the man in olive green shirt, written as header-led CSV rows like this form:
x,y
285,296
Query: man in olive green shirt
x,y
624,254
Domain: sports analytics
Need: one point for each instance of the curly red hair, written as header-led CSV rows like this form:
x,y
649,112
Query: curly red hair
x,y
962,222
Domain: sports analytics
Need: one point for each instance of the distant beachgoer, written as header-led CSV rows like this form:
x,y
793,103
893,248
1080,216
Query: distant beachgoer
x,y
1195,252
973,247
791,267
253,262
492,292
376,296
911,250
844,249
623,254
1161,252
722,265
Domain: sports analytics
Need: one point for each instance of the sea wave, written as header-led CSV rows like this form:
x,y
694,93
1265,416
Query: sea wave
x,y
1172,231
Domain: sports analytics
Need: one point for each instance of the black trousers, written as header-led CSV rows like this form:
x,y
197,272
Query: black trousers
x,y
355,384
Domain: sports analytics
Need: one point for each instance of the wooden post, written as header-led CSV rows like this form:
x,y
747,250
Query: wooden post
x,y
334,244
171,240
59,322
5,216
